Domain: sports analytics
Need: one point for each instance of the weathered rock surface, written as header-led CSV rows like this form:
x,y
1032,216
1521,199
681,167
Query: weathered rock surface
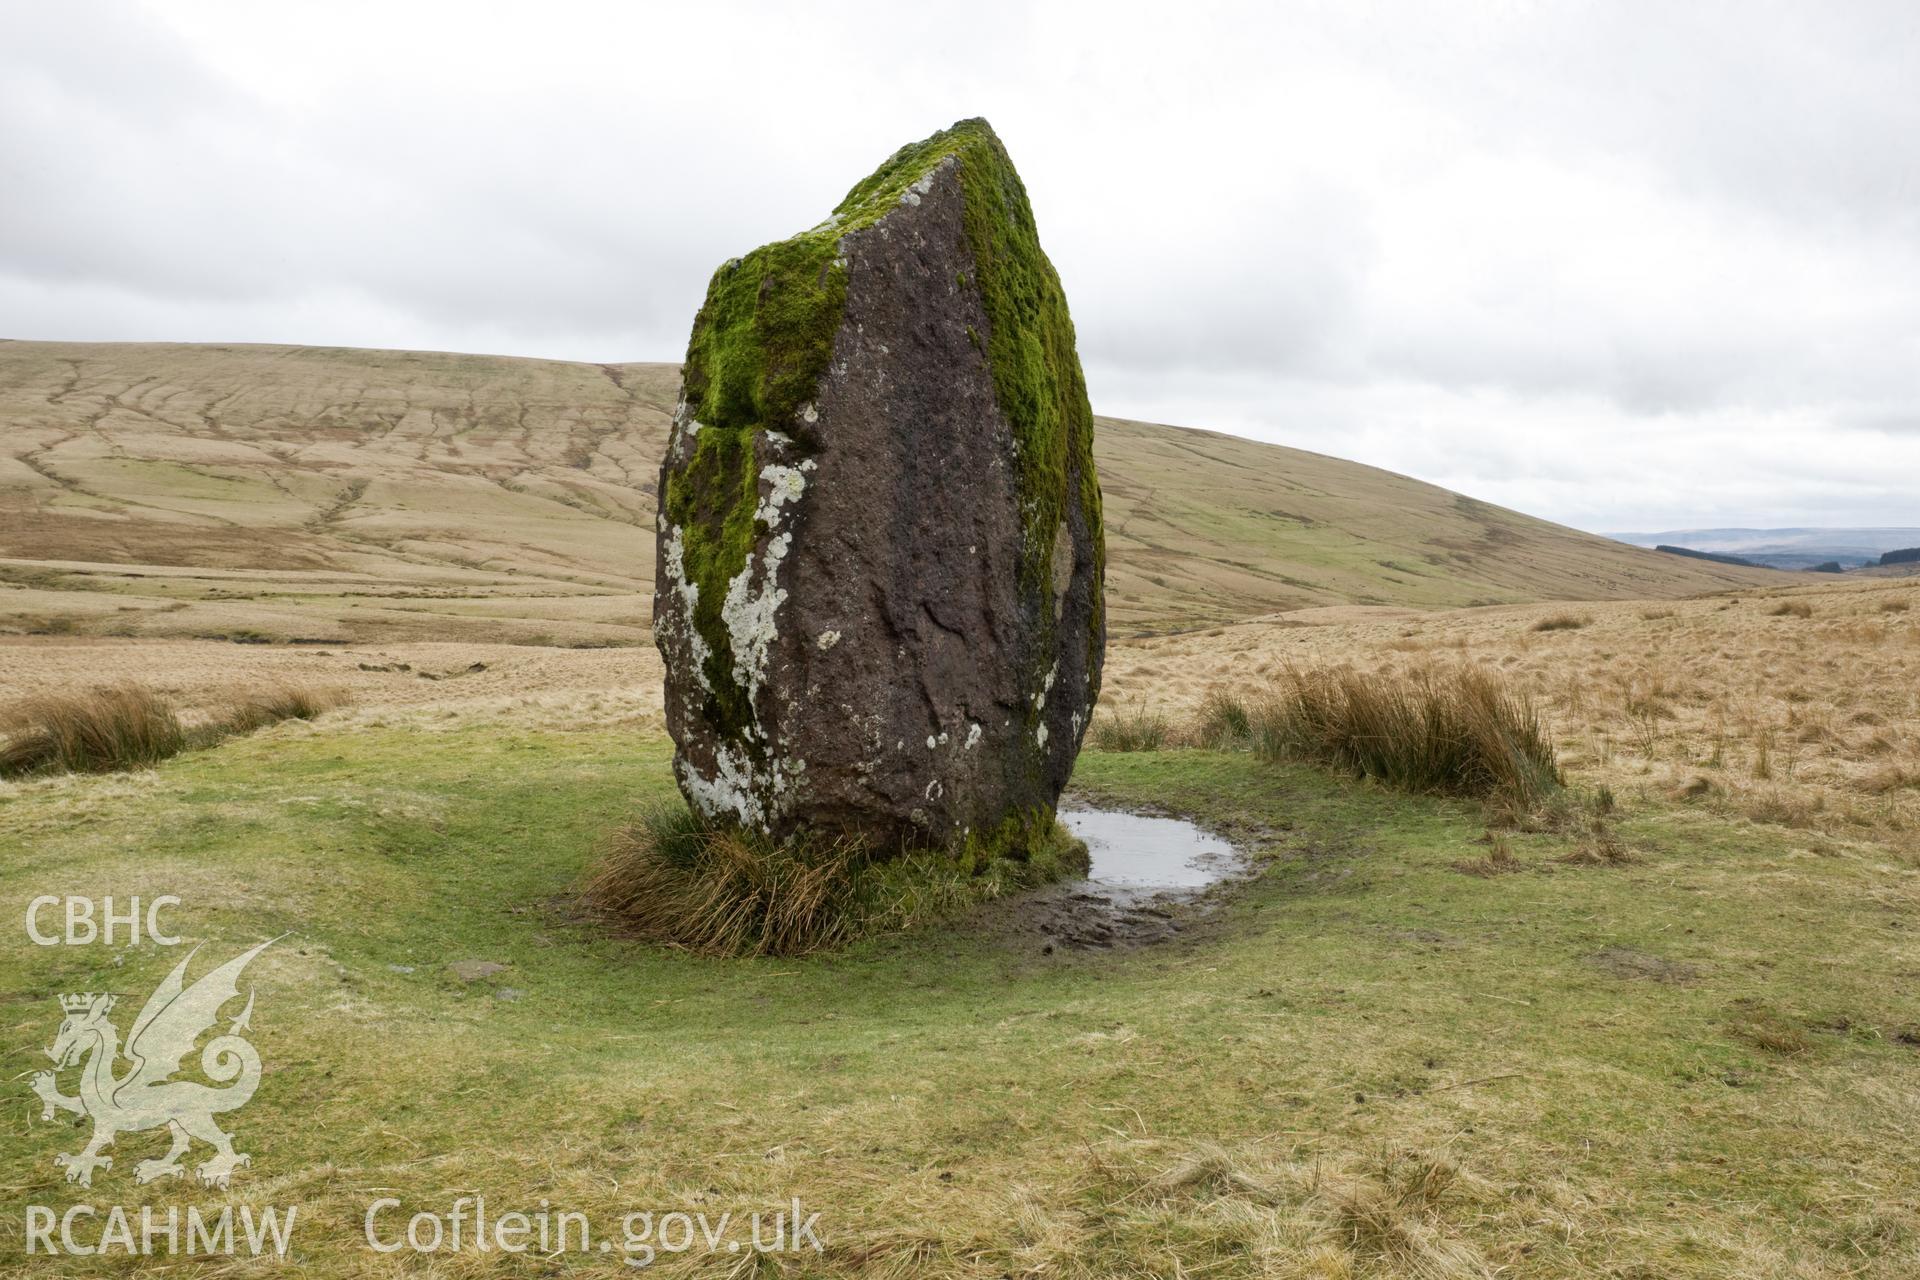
x,y
880,553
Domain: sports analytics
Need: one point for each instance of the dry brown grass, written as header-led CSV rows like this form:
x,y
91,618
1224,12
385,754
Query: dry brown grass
x,y
1711,696
1499,860
255,710
1224,720
296,492
424,685
119,727
1402,1211
1442,730
1135,730
1768,1029
1811,723
677,878
100,731
1599,846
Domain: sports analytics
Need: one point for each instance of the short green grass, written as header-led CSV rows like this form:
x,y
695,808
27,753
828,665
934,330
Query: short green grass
x,y
1364,1063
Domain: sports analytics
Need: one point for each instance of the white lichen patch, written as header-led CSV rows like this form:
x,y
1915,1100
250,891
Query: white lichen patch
x,y
973,736
1046,686
683,596
826,640
730,794
911,196
682,432
784,485
749,614
1040,735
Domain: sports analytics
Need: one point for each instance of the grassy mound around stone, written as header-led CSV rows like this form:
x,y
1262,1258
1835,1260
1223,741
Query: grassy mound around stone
x,y
713,887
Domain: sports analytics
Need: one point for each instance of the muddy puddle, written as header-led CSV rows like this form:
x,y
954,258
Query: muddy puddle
x,y
1149,874
1138,851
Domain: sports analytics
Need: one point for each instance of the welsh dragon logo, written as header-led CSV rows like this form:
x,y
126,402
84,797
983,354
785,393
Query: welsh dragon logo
x,y
147,1097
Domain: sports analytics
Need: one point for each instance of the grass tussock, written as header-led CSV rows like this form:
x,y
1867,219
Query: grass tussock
x,y
1398,1212
1791,609
679,878
1768,1029
1135,730
261,708
1441,730
102,731
1600,846
1392,1220
1224,721
714,888
1561,622
1497,861
132,727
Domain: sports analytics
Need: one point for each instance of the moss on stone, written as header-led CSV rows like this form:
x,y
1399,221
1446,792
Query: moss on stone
x,y
1035,841
1030,339
1030,347
712,500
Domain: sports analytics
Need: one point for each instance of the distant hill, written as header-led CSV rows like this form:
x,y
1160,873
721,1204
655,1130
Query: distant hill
x,y
331,494
1714,556
1801,549
1906,555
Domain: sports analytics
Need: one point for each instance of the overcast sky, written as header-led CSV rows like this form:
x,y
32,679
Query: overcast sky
x,y
1624,266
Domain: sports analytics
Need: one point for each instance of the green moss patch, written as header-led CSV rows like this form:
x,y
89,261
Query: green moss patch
x,y
1030,346
712,500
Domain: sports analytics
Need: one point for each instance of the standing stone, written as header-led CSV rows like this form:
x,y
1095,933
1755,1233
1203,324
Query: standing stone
x,y
880,556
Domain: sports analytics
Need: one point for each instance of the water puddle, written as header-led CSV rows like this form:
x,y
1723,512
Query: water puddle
x,y
1149,872
1140,852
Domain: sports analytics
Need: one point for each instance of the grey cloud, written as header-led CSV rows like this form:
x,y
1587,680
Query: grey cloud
x,y
1669,250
